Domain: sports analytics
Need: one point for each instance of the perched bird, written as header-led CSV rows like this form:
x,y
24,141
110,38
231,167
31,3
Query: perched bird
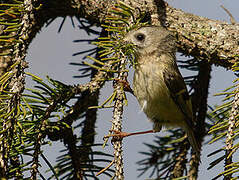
x,y
158,85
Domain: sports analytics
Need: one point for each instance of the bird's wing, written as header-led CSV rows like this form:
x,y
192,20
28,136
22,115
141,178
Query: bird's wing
x,y
178,91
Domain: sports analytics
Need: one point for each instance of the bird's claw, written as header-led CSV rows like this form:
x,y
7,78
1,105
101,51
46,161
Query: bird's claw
x,y
125,85
117,135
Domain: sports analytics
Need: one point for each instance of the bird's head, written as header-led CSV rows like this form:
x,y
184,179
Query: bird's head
x,y
149,39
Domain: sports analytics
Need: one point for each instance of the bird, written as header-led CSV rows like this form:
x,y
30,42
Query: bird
x,y
158,84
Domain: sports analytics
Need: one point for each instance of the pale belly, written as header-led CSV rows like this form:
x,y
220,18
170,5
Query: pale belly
x,y
154,98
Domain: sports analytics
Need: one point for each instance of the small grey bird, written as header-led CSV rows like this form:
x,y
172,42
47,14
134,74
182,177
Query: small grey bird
x,y
158,85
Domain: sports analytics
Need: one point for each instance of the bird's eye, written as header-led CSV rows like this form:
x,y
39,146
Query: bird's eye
x,y
140,37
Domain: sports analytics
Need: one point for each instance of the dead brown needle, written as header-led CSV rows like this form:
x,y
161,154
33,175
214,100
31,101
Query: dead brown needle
x,y
107,167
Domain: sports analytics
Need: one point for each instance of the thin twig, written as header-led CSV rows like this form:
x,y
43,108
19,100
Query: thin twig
x,y
232,19
107,167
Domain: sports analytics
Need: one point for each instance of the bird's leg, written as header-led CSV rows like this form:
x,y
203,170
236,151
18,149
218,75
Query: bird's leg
x,y
121,135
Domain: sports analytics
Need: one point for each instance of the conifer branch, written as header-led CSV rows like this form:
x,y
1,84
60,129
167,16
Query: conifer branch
x,y
230,133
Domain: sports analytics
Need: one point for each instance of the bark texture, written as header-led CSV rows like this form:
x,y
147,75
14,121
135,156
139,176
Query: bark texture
x,y
203,38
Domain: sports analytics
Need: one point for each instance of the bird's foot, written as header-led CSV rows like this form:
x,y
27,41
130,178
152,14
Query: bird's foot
x,y
117,134
120,135
125,84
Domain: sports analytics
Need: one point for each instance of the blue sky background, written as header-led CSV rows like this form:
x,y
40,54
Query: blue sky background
x,y
50,54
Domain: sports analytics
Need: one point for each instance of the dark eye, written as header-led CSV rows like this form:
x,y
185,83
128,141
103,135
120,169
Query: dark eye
x,y
140,37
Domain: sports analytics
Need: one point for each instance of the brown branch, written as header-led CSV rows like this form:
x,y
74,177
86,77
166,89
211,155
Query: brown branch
x,y
206,39
203,38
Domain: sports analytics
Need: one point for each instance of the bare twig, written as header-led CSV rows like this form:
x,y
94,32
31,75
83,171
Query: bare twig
x,y
107,167
232,19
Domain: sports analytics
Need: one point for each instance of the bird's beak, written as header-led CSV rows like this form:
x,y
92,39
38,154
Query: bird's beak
x,y
124,43
126,39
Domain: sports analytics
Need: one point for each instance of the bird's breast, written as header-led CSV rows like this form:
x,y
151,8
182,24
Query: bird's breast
x,y
154,96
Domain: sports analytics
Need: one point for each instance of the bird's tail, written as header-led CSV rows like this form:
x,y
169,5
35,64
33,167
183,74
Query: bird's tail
x,y
193,141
